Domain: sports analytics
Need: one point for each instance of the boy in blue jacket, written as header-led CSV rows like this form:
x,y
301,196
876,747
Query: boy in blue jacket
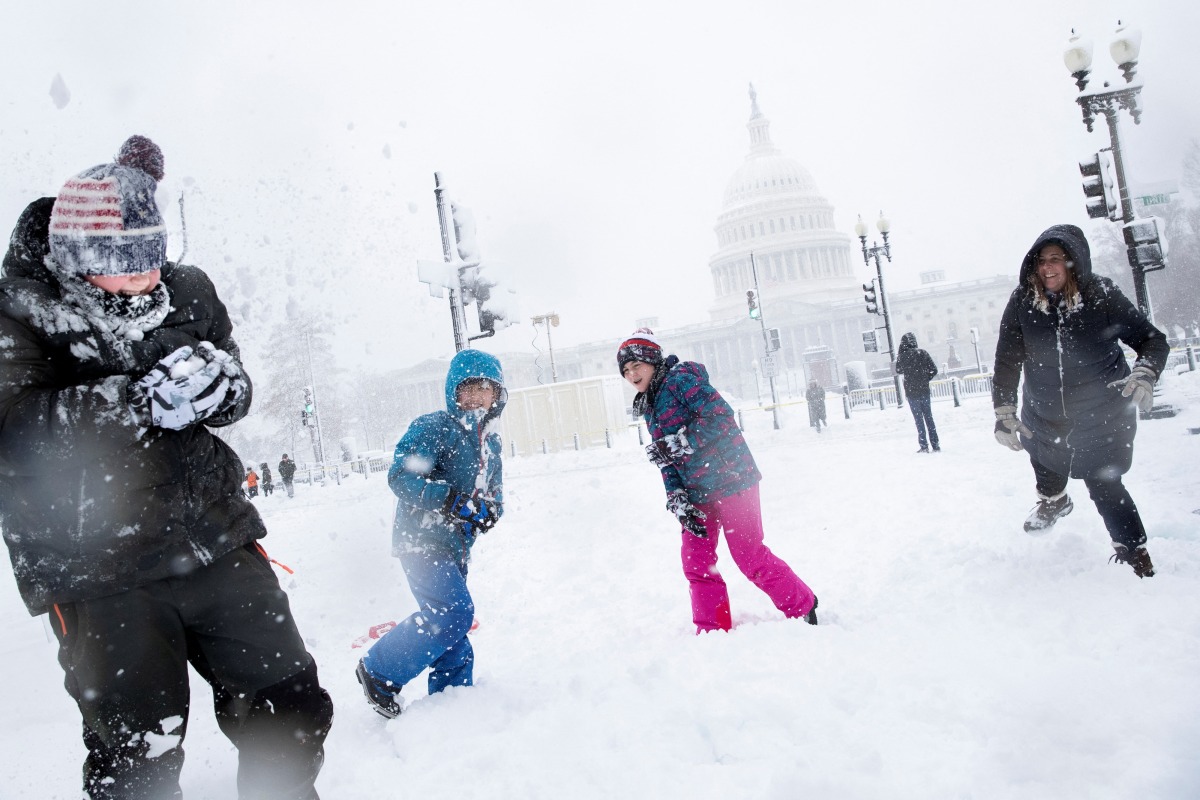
x,y
447,474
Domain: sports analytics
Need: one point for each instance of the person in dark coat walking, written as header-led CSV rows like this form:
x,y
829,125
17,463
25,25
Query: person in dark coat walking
x,y
1062,330
711,482
918,370
287,470
267,485
121,510
815,397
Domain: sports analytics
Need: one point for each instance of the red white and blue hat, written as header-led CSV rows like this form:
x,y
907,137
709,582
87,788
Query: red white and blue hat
x,y
105,222
640,346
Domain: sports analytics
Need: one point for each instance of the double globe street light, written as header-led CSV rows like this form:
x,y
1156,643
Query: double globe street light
x,y
1109,193
876,297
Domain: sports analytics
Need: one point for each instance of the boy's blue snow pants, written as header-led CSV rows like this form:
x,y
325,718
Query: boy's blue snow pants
x,y
434,637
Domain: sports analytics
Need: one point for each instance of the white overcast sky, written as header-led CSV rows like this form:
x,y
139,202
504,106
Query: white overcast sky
x,y
593,142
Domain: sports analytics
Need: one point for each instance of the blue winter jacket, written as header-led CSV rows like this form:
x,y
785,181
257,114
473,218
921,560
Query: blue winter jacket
x,y
446,453
721,464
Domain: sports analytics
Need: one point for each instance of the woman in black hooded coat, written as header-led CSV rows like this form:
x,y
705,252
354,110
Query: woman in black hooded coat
x,y
1062,330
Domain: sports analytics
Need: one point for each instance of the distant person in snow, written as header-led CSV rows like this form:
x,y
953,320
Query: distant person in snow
x,y
918,370
815,397
121,509
447,473
267,486
251,482
711,482
1062,329
287,470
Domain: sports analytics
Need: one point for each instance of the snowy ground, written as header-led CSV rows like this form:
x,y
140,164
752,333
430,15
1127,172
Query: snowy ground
x,y
957,657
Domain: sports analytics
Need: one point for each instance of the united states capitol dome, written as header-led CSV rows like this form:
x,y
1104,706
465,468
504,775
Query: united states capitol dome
x,y
775,222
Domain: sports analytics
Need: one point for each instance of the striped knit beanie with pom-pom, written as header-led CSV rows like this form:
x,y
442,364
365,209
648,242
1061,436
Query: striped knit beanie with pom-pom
x,y
640,346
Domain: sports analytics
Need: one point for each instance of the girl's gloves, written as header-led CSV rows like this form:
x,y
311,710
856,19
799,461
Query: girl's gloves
x,y
1139,385
181,390
690,517
670,448
1008,425
470,515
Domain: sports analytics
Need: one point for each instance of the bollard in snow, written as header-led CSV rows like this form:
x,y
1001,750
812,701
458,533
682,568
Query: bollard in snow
x,y
575,436
1191,356
514,449
741,424
846,405
608,438
545,447
882,407
639,430
955,391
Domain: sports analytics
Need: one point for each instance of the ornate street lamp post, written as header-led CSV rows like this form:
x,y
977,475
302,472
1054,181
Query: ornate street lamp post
x,y
860,230
1143,247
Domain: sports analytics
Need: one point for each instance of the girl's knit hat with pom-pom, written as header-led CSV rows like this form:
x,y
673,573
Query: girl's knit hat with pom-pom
x,y
640,346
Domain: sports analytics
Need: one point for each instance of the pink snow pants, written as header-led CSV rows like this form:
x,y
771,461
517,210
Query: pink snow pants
x,y
740,516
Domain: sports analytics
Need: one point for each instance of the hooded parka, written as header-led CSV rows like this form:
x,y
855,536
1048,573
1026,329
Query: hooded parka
x,y
448,453
1067,350
92,504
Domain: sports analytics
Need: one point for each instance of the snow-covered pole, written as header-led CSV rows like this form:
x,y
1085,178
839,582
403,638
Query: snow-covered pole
x,y
766,345
458,316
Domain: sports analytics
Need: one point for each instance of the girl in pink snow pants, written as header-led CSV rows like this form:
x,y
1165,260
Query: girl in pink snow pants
x,y
711,482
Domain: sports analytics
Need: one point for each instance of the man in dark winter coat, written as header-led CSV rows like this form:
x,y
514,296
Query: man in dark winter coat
x,y
918,370
122,510
287,470
1062,329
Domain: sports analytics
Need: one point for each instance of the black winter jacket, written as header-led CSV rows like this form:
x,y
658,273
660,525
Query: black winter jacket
x,y
91,504
1068,356
916,365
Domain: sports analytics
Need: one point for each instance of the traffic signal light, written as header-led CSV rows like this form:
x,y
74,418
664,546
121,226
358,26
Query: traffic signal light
x,y
752,304
773,340
1100,186
1146,244
871,298
309,410
464,233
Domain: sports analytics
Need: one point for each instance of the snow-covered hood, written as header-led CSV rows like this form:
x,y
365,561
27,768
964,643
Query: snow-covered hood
x,y
470,364
1069,238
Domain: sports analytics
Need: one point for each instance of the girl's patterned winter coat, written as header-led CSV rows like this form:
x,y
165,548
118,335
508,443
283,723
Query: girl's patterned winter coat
x,y
721,464
447,453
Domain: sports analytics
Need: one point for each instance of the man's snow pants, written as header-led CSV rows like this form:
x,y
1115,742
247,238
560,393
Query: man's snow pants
x,y
126,661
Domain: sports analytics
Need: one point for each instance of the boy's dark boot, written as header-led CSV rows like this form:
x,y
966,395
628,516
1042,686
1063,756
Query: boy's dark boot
x,y
1048,511
382,695
1138,558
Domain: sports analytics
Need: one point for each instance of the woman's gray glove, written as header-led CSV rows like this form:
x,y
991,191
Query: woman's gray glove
x,y
181,390
690,517
1008,425
1139,385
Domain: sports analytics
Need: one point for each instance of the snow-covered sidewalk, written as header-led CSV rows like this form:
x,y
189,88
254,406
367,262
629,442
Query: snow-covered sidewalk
x,y
957,656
